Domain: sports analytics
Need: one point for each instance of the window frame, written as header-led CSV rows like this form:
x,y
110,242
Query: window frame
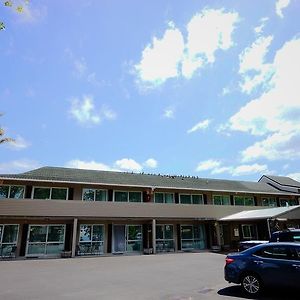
x,y
9,190
244,200
249,226
94,189
164,197
191,198
288,200
268,198
122,191
47,187
46,241
2,233
220,195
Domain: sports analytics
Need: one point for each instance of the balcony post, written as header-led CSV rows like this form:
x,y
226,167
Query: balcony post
x,y
74,236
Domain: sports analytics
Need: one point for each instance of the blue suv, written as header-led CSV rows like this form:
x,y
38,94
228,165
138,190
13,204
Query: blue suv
x,y
276,264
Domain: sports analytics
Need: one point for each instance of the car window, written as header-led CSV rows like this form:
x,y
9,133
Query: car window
x,y
296,253
278,252
296,237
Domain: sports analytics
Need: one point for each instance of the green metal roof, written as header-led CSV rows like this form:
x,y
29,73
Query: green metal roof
x,y
69,175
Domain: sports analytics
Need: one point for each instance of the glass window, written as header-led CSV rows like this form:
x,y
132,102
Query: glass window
x,y
164,238
4,191
55,233
238,200
41,193
38,234
221,199
16,192
85,232
45,240
159,197
243,200
88,195
101,195
288,202
169,198
186,232
197,199
159,232
249,201
269,201
121,196
193,237
249,231
59,194
135,197
10,234
185,199
97,233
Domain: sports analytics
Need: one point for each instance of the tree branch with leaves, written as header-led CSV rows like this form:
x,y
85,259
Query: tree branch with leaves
x,y
2,138
17,6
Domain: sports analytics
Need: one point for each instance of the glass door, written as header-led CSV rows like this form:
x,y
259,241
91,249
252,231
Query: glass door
x,y
127,238
119,238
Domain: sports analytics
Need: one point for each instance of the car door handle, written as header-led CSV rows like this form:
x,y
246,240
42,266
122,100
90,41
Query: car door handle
x,y
296,266
259,262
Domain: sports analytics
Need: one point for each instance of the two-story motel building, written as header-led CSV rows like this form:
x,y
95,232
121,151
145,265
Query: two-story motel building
x,y
52,211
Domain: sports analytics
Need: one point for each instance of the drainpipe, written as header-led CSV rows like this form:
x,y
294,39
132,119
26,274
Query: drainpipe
x,y
269,229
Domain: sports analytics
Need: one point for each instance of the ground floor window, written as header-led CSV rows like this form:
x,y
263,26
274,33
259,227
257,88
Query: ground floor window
x,y
249,231
269,201
288,202
193,237
91,239
45,240
8,239
127,238
165,238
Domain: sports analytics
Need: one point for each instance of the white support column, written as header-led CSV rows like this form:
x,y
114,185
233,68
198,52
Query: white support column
x,y
74,237
154,235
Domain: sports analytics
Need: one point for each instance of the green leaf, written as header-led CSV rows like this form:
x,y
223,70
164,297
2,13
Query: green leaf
x,y
19,9
8,3
2,26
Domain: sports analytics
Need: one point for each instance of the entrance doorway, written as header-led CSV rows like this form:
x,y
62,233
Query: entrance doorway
x,y
127,238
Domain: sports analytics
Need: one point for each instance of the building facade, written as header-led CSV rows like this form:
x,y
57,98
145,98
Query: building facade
x,y
49,212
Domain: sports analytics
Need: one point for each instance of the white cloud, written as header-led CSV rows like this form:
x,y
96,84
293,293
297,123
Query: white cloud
x,y
276,112
169,113
19,143
151,163
280,5
160,60
259,29
200,126
295,176
253,68
249,169
209,164
17,166
169,57
108,113
84,111
208,31
128,164
88,165
80,67
216,167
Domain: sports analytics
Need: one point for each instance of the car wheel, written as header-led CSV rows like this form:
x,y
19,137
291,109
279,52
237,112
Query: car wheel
x,y
251,284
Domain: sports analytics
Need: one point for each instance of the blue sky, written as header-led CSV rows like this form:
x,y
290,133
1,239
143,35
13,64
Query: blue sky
x,y
205,88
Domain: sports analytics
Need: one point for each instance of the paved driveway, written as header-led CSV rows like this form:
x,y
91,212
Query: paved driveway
x,y
182,276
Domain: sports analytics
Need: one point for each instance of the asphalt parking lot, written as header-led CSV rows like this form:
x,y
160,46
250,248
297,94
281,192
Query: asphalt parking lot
x,y
181,276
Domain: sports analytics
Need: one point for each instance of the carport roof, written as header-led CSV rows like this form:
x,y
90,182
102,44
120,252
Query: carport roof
x,y
129,179
266,213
